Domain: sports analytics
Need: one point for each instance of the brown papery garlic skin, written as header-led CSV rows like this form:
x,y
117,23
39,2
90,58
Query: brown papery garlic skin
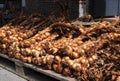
x,y
37,61
90,60
77,66
35,53
49,66
24,59
50,59
4,46
55,67
29,59
118,78
94,57
60,68
83,52
66,71
57,59
17,56
75,55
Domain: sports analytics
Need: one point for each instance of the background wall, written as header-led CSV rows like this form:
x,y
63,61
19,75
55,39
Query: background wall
x,y
48,6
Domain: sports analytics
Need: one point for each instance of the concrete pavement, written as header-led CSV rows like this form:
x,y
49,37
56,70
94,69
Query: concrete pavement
x,y
8,76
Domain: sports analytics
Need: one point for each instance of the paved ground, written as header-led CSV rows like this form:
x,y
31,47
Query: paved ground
x,y
8,76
